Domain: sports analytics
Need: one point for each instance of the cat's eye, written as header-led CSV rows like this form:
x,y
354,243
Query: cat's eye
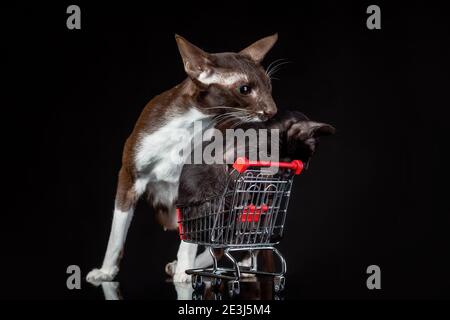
x,y
245,89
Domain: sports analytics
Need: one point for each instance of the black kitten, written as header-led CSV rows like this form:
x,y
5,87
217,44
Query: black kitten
x,y
298,138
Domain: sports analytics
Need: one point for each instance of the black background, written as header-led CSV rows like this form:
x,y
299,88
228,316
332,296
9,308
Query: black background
x,y
374,193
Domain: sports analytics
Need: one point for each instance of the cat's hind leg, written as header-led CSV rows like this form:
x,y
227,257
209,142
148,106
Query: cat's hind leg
x,y
203,260
185,260
250,260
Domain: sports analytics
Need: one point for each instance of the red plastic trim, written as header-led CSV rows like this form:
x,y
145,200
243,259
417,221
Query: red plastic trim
x,y
241,164
180,225
251,213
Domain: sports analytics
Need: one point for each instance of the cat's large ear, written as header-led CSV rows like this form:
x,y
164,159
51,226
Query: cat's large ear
x,y
195,60
258,50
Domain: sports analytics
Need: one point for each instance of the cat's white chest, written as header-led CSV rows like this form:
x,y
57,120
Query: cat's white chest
x,y
158,159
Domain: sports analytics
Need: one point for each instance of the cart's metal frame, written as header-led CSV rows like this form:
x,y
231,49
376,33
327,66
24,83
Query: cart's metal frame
x,y
249,216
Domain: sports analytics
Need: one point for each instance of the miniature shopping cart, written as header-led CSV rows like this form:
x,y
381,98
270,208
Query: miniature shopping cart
x,y
249,216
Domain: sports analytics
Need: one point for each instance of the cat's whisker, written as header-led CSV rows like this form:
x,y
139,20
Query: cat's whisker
x,y
226,117
280,62
239,122
276,68
229,116
232,113
222,120
272,64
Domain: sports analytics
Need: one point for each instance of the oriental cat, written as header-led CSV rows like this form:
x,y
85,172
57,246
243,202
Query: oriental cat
x,y
218,86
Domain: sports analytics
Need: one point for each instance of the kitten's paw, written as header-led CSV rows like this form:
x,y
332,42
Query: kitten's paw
x,y
97,276
181,277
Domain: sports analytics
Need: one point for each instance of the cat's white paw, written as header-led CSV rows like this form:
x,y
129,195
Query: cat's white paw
x,y
181,277
247,262
171,267
97,276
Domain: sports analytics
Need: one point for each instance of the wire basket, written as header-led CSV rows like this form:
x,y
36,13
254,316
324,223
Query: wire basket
x,y
251,211
249,215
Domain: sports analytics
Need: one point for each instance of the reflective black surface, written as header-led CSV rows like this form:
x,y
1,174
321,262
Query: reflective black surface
x,y
250,289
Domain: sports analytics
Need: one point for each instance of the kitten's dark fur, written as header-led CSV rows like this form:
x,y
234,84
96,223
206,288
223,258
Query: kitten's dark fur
x,y
298,139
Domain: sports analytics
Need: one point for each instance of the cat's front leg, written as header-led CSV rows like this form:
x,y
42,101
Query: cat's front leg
x,y
126,198
185,260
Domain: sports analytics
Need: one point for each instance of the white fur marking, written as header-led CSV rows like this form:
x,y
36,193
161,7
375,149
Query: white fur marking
x,y
160,149
226,79
121,223
140,185
204,259
185,260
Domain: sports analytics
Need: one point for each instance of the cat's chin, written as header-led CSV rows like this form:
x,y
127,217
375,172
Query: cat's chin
x,y
257,119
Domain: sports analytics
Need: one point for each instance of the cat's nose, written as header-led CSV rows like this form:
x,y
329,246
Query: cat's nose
x,y
265,115
270,112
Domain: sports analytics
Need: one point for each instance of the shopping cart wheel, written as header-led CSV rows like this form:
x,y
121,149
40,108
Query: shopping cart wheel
x,y
278,297
233,288
216,283
197,295
197,282
278,283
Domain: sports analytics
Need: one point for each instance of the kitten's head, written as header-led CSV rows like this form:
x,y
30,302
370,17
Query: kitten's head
x,y
231,82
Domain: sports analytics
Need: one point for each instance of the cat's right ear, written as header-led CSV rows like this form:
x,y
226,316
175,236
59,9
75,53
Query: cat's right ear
x,y
260,48
196,61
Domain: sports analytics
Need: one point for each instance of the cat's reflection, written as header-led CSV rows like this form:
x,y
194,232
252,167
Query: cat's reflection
x,y
184,290
111,290
251,289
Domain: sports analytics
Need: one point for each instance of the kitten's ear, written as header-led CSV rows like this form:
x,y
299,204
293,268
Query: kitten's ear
x,y
318,129
195,60
303,137
310,129
259,49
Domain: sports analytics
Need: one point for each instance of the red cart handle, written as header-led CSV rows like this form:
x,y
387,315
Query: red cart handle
x,y
241,164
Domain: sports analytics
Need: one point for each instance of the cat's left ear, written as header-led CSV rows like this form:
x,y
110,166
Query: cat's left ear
x,y
196,61
258,50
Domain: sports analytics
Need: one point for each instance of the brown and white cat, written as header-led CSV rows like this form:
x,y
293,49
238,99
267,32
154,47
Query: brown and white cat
x,y
215,83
